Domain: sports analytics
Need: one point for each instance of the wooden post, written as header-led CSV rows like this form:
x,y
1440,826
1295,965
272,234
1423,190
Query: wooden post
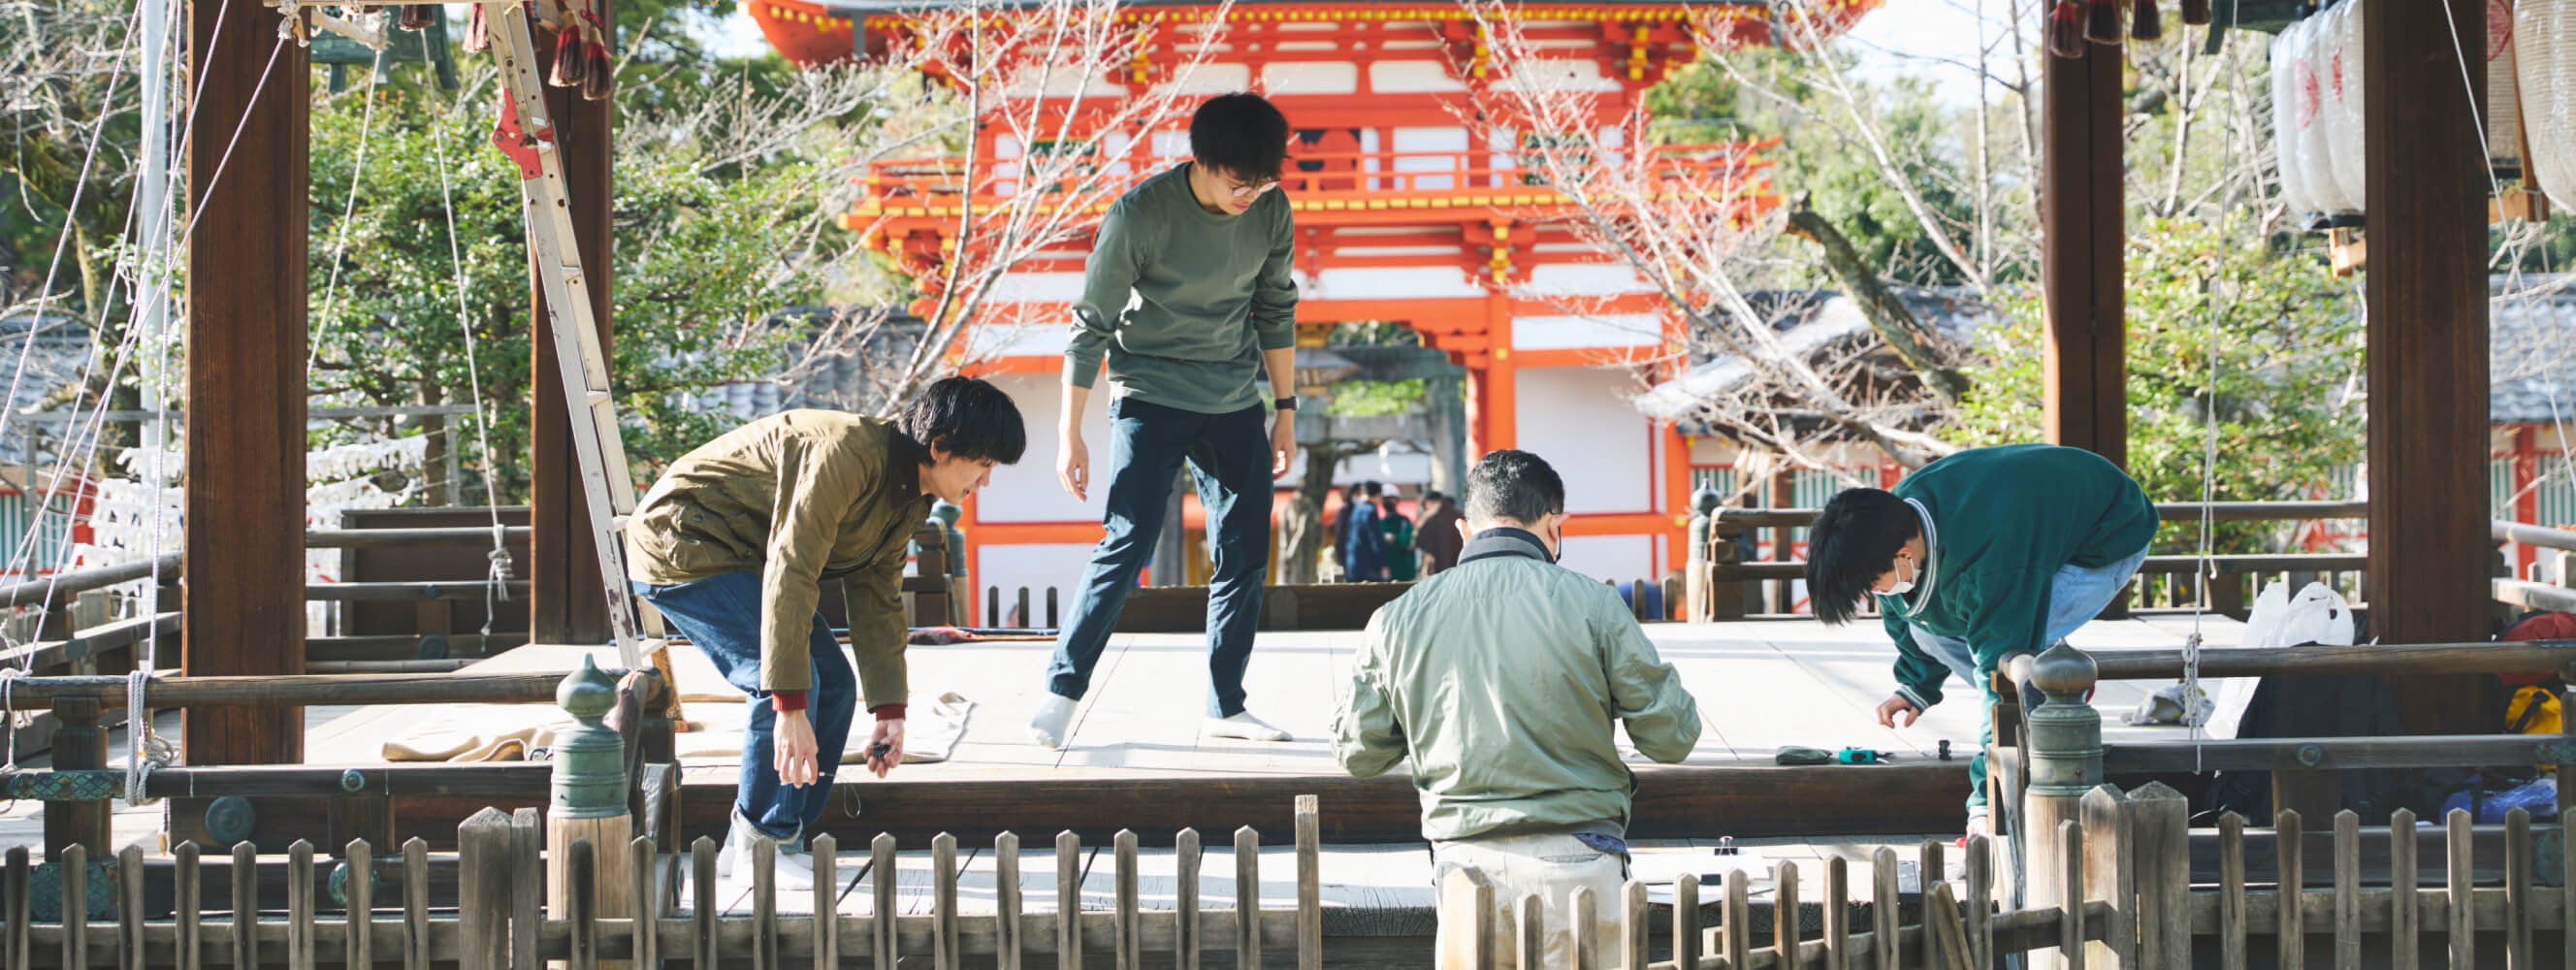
x,y
2065,742
2082,218
929,606
79,744
1466,928
2427,307
1726,595
247,184
483,857
2160,827
2114,854
1782,492
589,803
565,603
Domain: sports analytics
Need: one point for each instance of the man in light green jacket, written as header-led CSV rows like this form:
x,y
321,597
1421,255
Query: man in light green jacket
x,y
1498,682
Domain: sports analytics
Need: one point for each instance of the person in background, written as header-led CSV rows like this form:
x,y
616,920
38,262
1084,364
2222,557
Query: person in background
x,y
733,545
1398,533
1438,537
1500,683
1363,543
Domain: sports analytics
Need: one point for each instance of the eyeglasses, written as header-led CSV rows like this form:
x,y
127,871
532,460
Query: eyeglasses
x,y
1242,191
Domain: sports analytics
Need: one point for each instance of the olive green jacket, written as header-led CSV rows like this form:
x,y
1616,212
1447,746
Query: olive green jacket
x,y
1500,681
799,497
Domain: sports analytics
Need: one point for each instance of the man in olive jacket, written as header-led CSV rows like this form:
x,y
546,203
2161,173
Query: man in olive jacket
x,y
733,544
1499,682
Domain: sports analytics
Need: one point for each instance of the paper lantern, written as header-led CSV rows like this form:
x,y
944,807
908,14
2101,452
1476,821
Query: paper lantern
x,y
2544,56
2288,66
2504,94
2341,72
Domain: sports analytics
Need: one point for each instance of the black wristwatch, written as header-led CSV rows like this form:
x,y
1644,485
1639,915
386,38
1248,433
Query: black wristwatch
x,y
1288,403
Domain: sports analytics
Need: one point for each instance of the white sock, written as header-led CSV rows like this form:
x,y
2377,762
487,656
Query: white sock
x,y
1047,726
1243,725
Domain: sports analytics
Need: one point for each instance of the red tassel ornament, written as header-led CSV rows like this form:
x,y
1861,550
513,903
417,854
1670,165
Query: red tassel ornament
x,y
2065,29
597,71
2195,12
2144,23
569,62
419,16
2103,27
478,32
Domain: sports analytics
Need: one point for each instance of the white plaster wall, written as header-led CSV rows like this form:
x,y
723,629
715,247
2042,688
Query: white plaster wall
x,y
1442,139
1584,279
1052,287
1380,282
1411,77
1579,332
1621,558
1211,78
1310,77
1028,491
1021,340
1578,419
1034,566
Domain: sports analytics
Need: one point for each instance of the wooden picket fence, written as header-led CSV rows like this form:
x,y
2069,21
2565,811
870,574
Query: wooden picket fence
x,y
521,907
2135,904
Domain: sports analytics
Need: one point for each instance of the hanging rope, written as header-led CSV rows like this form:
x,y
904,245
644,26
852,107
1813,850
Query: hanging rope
x,y
498,577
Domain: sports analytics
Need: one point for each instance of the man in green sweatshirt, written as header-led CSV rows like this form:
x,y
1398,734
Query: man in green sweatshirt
x,y
1976,557
1502,682
733,546
1189,295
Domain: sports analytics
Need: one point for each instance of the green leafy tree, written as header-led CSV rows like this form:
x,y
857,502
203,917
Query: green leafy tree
x,y
702,266
2288,340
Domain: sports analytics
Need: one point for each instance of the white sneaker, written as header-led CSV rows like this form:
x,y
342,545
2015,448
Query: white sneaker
x,y
793,870
1244,726
1047,726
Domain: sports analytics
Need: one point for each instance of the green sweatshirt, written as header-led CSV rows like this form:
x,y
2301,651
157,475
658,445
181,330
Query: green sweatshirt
x,y
1182,301
2003,520
1500,680
798,497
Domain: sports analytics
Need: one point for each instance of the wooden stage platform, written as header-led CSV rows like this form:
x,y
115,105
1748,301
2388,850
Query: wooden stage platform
x,y
1137,761
1760,684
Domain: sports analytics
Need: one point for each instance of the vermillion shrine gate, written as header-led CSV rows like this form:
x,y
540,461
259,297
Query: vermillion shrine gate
x,y
1405,213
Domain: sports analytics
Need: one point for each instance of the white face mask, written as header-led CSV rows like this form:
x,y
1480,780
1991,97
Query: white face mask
x,y
1902,586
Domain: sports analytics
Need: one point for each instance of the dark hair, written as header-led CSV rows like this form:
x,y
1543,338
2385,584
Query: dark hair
x,y
1855,541
1514,485
1240,135
968,418
1430,495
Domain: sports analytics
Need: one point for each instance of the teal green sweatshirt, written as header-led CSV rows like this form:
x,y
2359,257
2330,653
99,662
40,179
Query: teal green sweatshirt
x,y
2003,520
1182,301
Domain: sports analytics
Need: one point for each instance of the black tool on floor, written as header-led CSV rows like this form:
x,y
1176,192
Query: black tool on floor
x,y
1945,750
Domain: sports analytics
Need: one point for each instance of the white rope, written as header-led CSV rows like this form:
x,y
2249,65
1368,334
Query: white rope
x,y
340,233
500,554
2469,91
9,678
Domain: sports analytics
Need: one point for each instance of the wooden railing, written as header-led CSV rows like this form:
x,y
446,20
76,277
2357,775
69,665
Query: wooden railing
x,y
524,902
1344,180
1732,585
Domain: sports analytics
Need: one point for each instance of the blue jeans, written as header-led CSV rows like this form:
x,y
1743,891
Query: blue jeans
x,y
1229,454
721,614
2075,596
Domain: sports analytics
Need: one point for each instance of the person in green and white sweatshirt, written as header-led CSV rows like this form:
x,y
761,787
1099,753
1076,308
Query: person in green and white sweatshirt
x,y
1977,557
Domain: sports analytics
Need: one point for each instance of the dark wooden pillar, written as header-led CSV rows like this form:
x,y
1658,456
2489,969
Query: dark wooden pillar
x,y
2427,301
2084,229
244,608
565,603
